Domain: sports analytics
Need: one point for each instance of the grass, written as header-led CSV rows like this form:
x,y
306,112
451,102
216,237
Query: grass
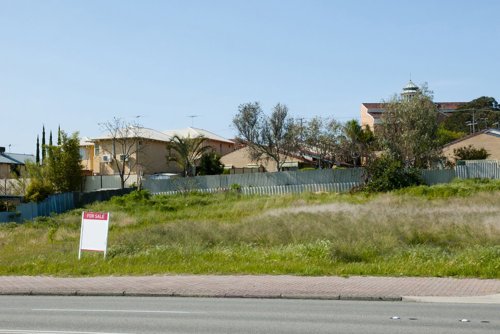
x,y
444,230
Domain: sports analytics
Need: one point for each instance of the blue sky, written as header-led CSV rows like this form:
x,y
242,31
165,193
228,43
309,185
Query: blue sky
x,y
79,63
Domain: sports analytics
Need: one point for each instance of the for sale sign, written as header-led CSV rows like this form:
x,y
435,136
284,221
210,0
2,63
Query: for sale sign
x,y
94,232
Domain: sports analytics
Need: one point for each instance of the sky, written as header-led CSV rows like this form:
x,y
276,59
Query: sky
x,y
78,64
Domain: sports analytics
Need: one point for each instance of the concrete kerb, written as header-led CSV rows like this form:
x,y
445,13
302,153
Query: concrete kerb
x,y
200,295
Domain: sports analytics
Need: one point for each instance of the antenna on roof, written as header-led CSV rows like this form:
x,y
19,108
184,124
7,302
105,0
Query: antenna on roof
x,y
192,118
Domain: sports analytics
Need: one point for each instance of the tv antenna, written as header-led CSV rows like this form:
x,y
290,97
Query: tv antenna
x,y
192,118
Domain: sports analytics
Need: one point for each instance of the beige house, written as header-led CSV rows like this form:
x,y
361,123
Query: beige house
x,y
487,139
371,113
140,151
240,160
219,144
137,150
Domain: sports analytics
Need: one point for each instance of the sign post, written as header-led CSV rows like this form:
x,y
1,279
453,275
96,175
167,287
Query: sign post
x,y
94,232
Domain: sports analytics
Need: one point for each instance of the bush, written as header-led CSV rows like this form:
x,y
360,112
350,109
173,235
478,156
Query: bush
x,y
470,153
38,190
387,173
210,164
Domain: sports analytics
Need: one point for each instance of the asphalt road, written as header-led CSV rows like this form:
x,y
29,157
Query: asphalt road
x,y
91,315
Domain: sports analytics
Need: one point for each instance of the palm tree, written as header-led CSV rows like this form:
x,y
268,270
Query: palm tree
x,y
358,141
186,151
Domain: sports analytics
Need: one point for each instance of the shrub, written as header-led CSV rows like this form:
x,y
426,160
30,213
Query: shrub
x,y
38,190
210,164
387,173
470,153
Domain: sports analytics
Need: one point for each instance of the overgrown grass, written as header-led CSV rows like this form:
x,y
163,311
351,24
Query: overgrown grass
x,y
444,230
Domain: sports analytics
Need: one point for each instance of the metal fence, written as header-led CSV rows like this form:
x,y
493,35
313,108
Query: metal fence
x,y
478,169
89,184
58,203
256,180
436,176
331,180
93,183
326,180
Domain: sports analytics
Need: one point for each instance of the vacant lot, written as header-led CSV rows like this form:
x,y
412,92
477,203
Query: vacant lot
x,y
447,230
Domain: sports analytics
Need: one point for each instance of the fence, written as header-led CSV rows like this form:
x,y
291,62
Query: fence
x,y
58,203
90,183
212,183
482,169
11,186
326,180
93,183
331,180
436,176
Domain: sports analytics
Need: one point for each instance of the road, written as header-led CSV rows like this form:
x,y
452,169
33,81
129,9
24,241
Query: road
x,y
92,315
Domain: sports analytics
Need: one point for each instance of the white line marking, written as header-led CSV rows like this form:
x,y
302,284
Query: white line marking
x,y
111,311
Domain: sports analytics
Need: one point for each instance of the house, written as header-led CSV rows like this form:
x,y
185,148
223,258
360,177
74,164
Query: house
x,y
142,151
240,161
87,156
371,113
13,163
219,144
488,139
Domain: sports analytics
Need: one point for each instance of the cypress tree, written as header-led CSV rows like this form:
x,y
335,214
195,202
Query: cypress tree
x,y
38,150
50,138
59,135
43,144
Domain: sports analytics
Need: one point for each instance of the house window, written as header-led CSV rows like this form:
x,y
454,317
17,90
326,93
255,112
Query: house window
x,y
83,153
96,149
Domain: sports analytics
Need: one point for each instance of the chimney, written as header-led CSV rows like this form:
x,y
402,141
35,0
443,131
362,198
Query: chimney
x,y
2,150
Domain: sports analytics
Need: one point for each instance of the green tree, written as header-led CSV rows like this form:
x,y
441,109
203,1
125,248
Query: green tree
x,y
358,144
60,172
44,150
321,138
185,152
409,129
275,137
210,164
473,116
39,186
64,169
445,136
59,139
470,153
50,138
387,173
37,150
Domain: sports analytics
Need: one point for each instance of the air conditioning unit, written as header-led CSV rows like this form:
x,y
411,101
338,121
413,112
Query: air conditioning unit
x,y
106,158
123,157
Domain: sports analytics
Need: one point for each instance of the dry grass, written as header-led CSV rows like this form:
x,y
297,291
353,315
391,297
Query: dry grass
x,y
308,234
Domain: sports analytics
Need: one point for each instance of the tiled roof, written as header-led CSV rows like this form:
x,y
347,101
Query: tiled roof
x,y
138,133
376,109
374,105
441,105
195,133
449,105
